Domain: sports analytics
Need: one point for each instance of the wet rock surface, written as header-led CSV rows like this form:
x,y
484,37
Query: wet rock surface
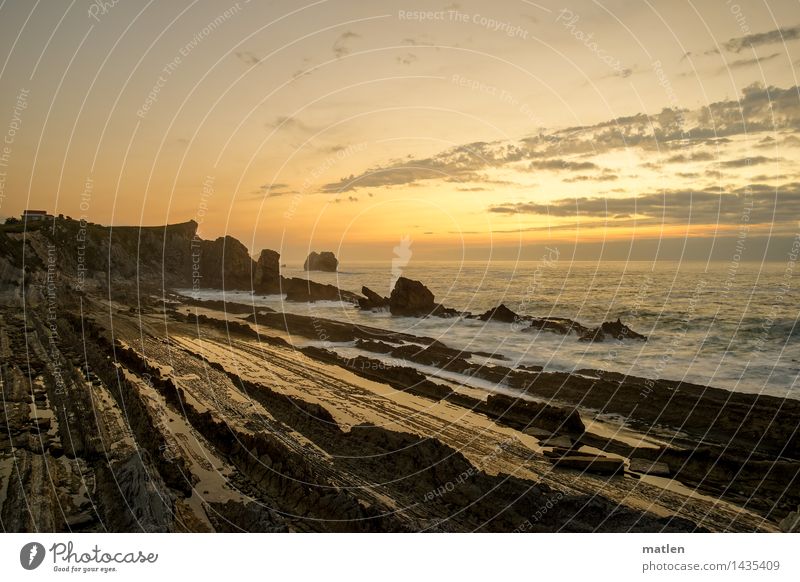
x,y
289,464
371,300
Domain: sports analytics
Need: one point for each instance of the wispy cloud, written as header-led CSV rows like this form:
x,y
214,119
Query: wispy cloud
x,y
561,164
248,58
273,190
746,162
708,206
779,35
743,63
406,59
287,123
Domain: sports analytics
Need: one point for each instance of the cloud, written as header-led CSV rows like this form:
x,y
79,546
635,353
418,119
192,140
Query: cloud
x,y
684,132
746,162
559,164
273,190
248,58
692,157
779,35
406,59
421,40
689,54
766,204
287,123
742,63
340,46
606,176
767,177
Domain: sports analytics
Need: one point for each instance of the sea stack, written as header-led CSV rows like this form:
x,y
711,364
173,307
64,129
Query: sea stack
x,y
411,298
324,261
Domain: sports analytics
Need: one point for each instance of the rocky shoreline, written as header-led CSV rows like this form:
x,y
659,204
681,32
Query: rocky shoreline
x,y
127,407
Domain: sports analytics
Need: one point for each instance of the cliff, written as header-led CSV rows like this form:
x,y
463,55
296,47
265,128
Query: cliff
x,y
168,256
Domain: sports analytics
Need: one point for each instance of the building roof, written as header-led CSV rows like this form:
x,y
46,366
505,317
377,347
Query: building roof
x,y
35,212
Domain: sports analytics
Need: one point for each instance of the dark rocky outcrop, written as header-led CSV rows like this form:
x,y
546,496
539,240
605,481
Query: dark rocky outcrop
x,y
411,298
267,276
523,414
611,330
225,263
324,261
500,313
308,291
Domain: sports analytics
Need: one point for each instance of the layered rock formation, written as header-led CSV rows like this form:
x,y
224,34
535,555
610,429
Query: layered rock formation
x,y
267,277
371,301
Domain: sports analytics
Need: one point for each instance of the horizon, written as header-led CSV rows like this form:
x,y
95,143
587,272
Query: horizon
x,y
462,127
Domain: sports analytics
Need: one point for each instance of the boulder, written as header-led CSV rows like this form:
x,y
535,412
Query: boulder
x,y
324,261
267,276
371,300
500,313
411,298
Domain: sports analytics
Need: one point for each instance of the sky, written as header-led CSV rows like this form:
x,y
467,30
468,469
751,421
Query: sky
x,y
621,130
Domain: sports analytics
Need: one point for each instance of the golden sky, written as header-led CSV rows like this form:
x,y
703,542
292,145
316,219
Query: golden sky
x,y
346,125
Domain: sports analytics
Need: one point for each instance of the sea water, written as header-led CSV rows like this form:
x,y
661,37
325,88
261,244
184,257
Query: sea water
x,y
717,324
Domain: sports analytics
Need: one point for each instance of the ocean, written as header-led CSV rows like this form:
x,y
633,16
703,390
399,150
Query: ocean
x,y
728,325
